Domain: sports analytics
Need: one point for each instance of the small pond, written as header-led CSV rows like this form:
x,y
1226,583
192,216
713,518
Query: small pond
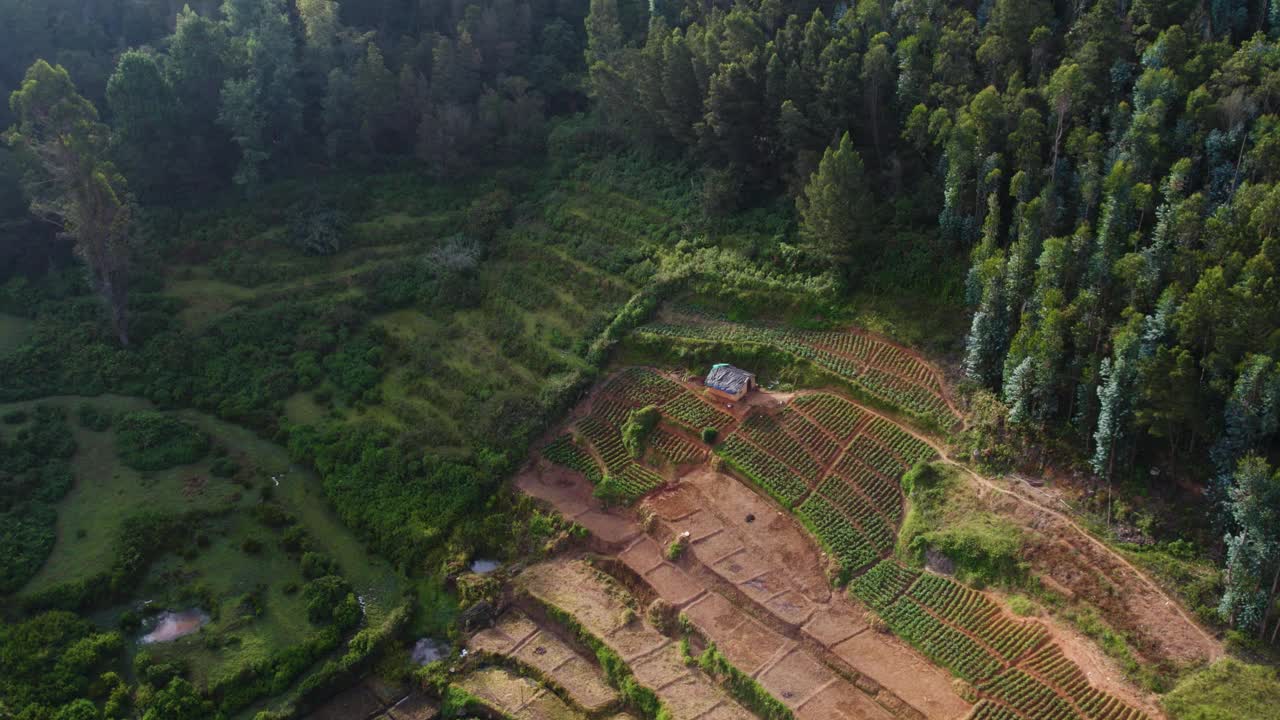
x,y
169,626
484,567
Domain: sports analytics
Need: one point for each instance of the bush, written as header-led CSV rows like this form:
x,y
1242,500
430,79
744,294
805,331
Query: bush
x,y
316,565
635,431
677,548
149,440
709,435
325,597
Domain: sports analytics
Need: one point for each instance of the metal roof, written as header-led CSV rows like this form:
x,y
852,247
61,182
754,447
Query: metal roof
x,y
728,379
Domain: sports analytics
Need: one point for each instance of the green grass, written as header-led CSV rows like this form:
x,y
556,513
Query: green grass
x,y
228,573
1227,690
945,515
106,492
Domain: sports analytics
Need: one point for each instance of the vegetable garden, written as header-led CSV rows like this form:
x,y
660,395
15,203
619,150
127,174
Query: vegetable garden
x,y
884,371
594,444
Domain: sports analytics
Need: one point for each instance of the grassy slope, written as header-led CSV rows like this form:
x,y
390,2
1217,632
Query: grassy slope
x,y
1227,690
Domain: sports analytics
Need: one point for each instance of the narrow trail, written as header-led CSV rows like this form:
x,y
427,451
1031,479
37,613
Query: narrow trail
x,y
1213,643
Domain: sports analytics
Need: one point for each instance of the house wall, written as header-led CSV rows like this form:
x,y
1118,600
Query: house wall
x,y
726,396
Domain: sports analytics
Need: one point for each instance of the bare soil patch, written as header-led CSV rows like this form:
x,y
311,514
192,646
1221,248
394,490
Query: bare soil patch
x,y
517,636
1086,570
604,609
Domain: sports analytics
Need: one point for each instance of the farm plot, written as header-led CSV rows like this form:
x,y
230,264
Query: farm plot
x,y
520,638
564,451
836,415
764,470
1009,661
883,370
847,542
767,433
675,449
602,612
883,584
972,611
601,431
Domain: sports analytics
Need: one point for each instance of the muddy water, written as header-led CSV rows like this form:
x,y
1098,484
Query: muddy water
x,y
172,625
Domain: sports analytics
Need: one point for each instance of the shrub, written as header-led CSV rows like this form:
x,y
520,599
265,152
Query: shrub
x,y
153,441
316,565
662,615
325,597
677,547
635,431
609,492
709,435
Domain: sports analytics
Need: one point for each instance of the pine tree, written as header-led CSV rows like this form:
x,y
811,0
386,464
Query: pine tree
x,y
835,206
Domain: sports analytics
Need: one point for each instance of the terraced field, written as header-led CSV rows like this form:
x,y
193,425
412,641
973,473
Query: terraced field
x,y
524,642
883,370
604,614
838,467
593,445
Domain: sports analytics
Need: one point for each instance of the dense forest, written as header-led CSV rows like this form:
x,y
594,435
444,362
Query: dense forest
x,y
1090,187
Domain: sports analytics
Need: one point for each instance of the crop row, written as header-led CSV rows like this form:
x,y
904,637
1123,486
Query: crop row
x,y
689,410
873,455
1028,696
564,451
857,346
882,493
844,498
841,538
611,410
944,644
1056,669
971,610
835,414
821,447
675,448
987,710
608,443
880,586
641,386
764,430
905,445
766,471
635,480
917,395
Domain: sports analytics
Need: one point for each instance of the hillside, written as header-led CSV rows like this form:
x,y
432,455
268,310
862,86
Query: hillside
x,y
354,360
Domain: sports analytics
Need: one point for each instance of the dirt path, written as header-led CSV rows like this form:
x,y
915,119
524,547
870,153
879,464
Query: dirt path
x,y
1161,618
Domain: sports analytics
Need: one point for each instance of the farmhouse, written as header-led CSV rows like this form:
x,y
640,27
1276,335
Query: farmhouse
x,y
729,382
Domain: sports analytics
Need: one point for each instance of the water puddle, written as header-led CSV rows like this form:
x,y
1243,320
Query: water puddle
x,y
427,650
170,626
484,567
